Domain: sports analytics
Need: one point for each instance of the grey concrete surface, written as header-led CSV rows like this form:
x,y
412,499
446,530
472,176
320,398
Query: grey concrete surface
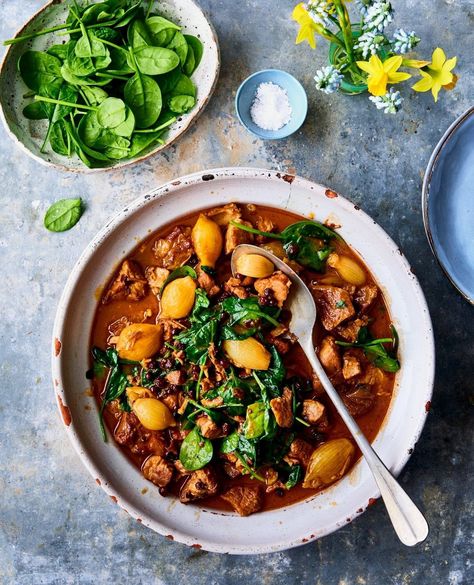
x,y
56,525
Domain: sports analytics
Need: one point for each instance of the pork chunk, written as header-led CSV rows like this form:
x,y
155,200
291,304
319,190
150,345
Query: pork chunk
x,y
234,286
174,250
156,278
334,305
351,366
365,296
200,484
234,236
126,429
206,282
208,427
176,377
129,284
330,355
158,470
299,453
278,283
282,408
245,500
313,411
225,214
350,330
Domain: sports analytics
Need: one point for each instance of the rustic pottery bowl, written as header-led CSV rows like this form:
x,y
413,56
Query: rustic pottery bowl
x,y
29,134
225,532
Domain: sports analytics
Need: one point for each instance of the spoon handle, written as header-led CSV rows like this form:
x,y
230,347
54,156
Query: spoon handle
x,y
408,522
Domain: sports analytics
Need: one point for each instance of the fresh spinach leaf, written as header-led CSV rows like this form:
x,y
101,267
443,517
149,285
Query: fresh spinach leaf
x,y
296,475
161,30
273,378
138,34
180,104
241,310
190,64
143,95
375,350
39,69
63,215
196,451
179,272
155,60
179,46
254,426
230,443
197,48
58,139
111,112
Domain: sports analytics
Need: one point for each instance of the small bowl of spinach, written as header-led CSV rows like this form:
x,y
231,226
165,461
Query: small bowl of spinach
x,y
99,85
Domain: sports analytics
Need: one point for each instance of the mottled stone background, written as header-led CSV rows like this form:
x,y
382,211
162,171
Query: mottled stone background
x,y
56,525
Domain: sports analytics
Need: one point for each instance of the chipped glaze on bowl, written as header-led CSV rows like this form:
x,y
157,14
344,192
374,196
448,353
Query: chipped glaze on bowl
x,y
448,203
200,527
29,134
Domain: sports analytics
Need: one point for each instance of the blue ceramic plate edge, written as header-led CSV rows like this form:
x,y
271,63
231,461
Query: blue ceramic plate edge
x,y
425,194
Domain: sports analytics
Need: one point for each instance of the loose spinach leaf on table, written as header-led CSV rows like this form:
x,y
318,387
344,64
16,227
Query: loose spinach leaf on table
x,y
196,451
63,215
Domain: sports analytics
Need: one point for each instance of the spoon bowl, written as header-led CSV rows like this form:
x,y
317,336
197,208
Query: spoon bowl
x,y
407,520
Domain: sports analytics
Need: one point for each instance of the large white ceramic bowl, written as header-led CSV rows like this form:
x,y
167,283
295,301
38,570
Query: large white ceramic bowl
x,y
29,134
295,524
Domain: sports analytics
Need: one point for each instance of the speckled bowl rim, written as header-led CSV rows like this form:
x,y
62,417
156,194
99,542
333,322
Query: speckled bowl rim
x,y
425,194
168,189
119,165
256,132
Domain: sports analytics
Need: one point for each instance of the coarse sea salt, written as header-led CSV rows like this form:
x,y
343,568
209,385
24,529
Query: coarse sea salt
x,y
271,108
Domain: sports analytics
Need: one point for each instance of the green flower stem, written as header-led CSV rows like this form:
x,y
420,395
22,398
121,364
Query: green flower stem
x,y
40,98
345,25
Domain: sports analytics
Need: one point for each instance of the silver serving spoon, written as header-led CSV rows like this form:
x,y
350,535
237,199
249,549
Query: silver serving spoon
x,y
408,522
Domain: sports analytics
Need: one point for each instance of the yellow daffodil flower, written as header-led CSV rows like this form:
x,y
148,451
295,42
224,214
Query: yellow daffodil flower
x,y
382,73
307,25
414,63
438,74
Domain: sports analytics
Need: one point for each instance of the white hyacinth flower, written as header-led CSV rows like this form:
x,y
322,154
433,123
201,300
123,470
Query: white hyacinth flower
x,y
390,102
378,16
318,10
403,41
328,79
369,43
363,5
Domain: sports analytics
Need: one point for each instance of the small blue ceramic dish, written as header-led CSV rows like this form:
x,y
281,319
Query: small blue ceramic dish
x,y
296,96
448,203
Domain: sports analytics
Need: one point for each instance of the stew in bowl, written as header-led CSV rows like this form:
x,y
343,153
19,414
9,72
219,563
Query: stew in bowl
x,y
202,384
